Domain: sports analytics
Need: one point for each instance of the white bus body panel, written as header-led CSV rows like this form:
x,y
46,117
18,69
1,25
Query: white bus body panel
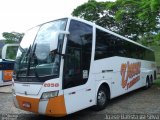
x,y
111,68
80,97
37,88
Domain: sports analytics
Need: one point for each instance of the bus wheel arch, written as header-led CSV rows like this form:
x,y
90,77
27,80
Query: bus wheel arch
x,y
102,97
108,89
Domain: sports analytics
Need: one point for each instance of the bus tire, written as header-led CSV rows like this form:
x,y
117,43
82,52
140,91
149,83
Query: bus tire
x,y
148,83
151,80
102,99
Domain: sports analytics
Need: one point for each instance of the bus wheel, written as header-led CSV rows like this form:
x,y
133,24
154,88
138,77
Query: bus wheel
x,y
102,98
147,83
151,80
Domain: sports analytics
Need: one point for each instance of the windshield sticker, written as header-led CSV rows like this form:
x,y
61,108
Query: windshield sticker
x,y
130,73
85,74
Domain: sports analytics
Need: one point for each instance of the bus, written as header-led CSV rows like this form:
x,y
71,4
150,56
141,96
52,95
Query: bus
x,y
69,64
8,54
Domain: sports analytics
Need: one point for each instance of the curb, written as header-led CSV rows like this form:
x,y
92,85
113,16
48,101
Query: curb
x,y
6,92
6,89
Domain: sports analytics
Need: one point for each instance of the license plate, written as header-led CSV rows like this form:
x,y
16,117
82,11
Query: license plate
x,y
26,105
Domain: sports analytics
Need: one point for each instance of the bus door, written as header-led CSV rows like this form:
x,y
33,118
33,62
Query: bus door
x,y
77,92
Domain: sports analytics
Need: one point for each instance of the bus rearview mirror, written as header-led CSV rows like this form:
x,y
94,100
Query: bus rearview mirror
x,y
55,38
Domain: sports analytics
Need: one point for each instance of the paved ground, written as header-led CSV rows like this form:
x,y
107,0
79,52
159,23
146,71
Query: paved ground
x,y
5,89
140,102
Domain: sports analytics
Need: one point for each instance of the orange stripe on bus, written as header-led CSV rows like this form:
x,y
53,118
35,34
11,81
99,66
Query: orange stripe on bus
x,y
34,103
56,107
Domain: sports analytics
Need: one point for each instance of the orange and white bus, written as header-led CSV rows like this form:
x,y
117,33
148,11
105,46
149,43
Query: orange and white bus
x,y
70,64
8,54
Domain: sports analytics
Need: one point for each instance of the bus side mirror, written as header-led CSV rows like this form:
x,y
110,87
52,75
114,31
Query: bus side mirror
x,y
55,38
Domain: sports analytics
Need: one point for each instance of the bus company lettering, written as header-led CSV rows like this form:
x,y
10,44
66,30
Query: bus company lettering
x,y
130,73
51,85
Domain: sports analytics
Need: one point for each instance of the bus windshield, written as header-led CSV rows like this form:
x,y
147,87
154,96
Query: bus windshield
x,y
34,61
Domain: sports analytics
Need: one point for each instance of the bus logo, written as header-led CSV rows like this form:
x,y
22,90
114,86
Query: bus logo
x,y
130,73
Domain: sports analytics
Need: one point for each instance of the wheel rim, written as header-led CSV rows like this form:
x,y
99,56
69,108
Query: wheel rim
x,y
101,98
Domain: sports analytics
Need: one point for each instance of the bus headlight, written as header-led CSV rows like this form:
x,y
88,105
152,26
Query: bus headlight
x,y
51,94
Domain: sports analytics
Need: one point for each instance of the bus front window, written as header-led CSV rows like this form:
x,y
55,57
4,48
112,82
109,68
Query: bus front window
x,y
34,59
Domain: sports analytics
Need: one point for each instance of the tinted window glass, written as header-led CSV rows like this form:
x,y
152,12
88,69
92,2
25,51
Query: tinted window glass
x,y
78,51
105,45
108,45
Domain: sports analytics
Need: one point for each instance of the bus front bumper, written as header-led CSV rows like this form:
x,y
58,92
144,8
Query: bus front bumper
x,y
52,107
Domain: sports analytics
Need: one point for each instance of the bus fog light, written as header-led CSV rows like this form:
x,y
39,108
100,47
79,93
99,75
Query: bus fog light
x,y
51,94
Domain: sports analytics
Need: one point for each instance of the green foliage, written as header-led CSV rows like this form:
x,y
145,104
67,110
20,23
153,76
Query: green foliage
x,y
11,52
97,12
157,39
119,15
157,54
12,37
157,82
136,19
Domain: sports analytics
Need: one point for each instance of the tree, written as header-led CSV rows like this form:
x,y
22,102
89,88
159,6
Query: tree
x,y
135,19
138,17
12,37
97,12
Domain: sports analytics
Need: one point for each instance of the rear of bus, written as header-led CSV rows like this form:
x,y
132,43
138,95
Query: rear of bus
x,y
8,54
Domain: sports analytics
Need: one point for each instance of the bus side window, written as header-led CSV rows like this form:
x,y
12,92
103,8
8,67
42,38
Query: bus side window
x,y
72,66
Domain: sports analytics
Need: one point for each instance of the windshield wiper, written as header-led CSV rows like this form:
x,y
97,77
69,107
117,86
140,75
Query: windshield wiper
x,y
31,54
